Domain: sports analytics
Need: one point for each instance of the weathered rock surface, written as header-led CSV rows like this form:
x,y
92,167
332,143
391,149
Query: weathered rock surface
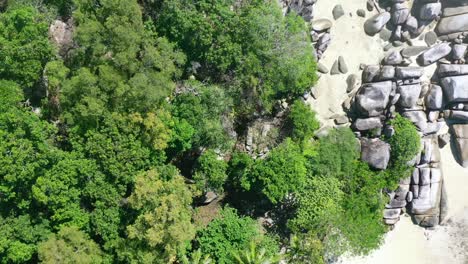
x,y
375,24
409,95
460,133
434,54
455,88
373,98
376,153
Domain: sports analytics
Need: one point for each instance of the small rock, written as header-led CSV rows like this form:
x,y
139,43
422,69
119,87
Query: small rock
x,y
341,120
342,65
315,92
322,68
370,5
210,197
361,12
430,38
321,24
393,58
444,140
385,34
352,81
413,51
335,68
375,24
338,11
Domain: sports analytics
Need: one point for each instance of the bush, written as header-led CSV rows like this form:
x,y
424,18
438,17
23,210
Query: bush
x,y
405,143
210,172
228,233
303,121
319,205
336,154
283,171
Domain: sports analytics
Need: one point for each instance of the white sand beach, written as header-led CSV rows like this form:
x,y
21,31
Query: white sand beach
x,y
350,41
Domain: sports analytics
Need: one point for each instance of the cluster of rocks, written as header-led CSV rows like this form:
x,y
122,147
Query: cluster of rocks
x,y
394,88
423,194
401,23
453,79
304,8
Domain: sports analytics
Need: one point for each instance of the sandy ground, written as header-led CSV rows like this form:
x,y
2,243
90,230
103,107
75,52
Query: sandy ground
x,y
407,243
349,41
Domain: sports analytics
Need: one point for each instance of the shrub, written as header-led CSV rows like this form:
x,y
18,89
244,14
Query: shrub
x,y
405,143
283,171
210,172
303,121
228,233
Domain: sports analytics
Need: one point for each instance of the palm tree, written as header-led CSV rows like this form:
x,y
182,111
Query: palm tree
x,y
252,255
197,258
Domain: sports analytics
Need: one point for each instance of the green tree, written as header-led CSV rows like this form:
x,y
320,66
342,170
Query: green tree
x,y
303,121
25,45
69,245
163,226
196,257
319,206
283,171
405,144
254,255
252,47
227,233
210,173
25,149
198,112
305,248
239,171
19,238
336,154
59,191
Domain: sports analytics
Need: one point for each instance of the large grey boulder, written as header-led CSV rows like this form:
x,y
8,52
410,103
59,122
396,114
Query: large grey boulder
x,y
418,118
460,132
375,152
452,70
434,54
458,51
409,95
430,11
375,24
373,98
413,51
400,14
434,98
455,88
411,25
370,73
363,124
387,73
459,115
452,24
409,72
428,200
61,34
